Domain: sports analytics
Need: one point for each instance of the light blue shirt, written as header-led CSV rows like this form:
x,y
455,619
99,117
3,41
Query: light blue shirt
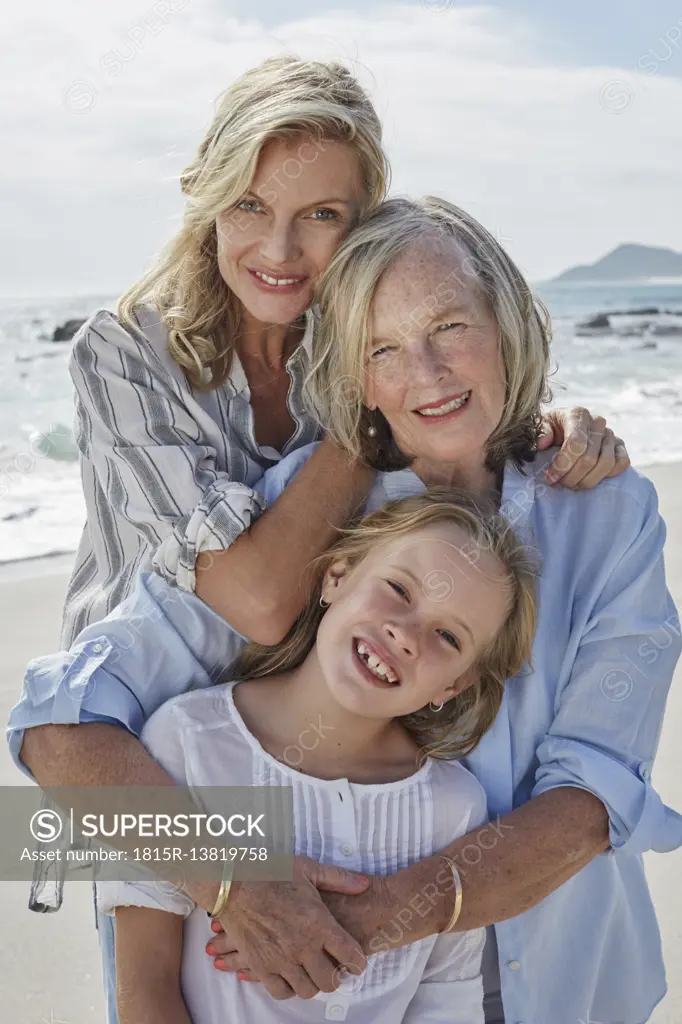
x,y
589,715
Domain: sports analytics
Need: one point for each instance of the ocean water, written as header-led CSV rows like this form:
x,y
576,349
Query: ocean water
x,y
632,374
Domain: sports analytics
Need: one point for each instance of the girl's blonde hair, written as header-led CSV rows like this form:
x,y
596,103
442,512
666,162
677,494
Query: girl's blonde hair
x,y
337,375
458,727
283,98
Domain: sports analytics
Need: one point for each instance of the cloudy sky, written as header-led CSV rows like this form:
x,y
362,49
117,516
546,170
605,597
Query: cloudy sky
x,y
557,126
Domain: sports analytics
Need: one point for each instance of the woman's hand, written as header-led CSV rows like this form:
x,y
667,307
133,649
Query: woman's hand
x,y
386,904
284,934
589,450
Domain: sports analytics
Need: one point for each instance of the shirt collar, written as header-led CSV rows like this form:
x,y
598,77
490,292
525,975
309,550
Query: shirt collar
x,y
518,490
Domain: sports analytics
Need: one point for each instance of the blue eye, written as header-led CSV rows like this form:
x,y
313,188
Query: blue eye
x,y
398,589
449,638
449,327
249,206
333,215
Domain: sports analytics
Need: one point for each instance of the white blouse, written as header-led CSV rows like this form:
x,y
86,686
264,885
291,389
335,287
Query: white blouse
x,y
201,739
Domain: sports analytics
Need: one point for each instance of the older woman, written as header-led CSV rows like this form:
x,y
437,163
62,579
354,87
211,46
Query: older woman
x,y
451,354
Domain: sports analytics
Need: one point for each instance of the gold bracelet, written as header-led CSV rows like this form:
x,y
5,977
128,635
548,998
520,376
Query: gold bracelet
x,y
458,894
223,893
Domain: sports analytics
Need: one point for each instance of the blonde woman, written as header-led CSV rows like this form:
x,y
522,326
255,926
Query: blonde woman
x,y
437,314
394,763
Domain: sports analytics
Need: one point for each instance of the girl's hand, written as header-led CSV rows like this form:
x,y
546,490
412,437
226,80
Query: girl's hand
x,y
590,452
283,933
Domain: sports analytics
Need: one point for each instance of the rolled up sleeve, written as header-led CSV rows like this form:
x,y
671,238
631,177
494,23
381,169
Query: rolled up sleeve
x,y
224,512
70,687
226,509
158,643
152,895
638,818
609,714
148,454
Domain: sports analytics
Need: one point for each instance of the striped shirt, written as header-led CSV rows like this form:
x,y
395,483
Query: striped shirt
x,y
167,471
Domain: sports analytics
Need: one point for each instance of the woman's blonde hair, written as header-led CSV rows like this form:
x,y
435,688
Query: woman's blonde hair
x,y
283,98
337,375
458,727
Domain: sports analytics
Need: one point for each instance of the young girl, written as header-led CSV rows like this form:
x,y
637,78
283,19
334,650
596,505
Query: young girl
x,y
418,615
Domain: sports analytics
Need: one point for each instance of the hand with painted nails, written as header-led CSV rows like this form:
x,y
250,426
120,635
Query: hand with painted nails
x,y
282,934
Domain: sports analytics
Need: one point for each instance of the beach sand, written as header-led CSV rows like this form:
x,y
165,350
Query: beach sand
x,y
49,963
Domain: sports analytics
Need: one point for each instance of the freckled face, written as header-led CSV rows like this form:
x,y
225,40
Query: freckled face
x,y
275,243
424,606
434,367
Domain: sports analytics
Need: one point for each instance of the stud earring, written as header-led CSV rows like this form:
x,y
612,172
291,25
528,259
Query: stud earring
x,y
433,707
372,431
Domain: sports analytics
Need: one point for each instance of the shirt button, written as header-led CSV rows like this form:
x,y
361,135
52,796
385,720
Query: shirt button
x,y
346,849
513,965
97,648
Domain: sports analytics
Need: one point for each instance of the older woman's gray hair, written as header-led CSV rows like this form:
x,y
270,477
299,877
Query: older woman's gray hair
x,y
337,376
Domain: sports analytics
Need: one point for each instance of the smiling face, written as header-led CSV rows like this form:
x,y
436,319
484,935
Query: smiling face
x,y
401,629
275,243
434,367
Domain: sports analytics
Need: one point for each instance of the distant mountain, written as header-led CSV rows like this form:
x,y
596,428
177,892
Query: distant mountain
x,y
628,263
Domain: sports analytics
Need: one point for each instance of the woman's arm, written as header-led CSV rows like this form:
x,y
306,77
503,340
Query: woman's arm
x,y
506,868
158,643
260,584
148,959
148,453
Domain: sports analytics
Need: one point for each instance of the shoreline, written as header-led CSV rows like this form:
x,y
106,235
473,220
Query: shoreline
x,y
34,566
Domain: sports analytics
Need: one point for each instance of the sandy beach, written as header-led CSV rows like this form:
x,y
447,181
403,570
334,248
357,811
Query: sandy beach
x,y
50,966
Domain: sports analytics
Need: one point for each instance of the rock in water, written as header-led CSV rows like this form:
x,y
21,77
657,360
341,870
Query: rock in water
x,y
599,322
668,330
66,331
